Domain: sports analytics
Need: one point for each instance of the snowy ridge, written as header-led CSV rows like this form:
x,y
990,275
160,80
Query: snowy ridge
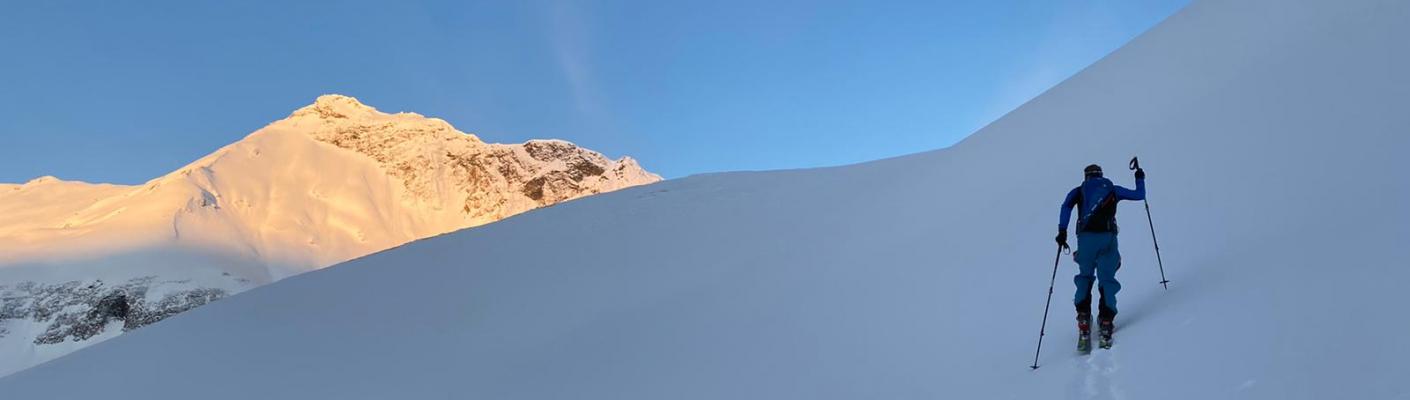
x,y
333,181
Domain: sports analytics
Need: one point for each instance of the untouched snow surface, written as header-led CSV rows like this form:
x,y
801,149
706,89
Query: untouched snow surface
x,y
1273,133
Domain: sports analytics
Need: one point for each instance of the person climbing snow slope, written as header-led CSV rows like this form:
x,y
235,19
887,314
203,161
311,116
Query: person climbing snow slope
x,y
1097,256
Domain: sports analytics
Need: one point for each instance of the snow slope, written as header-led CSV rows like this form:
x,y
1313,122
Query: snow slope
x,y
1273,133
333,181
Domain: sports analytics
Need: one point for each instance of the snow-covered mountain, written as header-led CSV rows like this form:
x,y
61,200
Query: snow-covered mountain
x,y
1273,133
334,181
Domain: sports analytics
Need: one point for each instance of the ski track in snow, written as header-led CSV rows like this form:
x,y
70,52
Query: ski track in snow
x,y
1095,376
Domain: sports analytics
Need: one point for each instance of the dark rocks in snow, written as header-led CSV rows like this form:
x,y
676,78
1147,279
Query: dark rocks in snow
x,y
81,310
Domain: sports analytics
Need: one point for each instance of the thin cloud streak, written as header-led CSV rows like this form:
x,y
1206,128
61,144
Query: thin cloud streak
x,y
570,36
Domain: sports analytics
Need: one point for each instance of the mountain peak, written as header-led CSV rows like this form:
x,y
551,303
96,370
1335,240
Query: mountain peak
x,y
43,180
334,181
331,106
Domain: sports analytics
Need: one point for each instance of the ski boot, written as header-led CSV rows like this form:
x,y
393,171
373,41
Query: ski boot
x,y
1084,333
1107,328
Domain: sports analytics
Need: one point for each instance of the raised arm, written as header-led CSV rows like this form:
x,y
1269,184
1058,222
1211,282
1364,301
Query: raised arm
x,y
1128,194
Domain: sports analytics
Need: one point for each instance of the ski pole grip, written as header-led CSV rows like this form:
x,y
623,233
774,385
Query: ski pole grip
x,y
1135,164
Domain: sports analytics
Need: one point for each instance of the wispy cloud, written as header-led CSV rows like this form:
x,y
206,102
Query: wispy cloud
x,y
570,34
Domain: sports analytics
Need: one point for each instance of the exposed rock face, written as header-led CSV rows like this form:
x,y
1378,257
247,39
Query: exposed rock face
x,y
434,160
78,310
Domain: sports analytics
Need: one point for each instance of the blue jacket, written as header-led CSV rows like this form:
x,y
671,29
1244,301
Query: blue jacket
x,y
1104,208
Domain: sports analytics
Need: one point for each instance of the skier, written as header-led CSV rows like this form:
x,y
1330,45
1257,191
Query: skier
x,y
1097,256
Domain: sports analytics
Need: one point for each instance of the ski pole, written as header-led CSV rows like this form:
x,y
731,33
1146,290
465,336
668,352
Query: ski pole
x,y
1042,330
1163,282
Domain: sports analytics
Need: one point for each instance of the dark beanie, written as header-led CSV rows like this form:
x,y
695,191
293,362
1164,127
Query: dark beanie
x,y
1092,171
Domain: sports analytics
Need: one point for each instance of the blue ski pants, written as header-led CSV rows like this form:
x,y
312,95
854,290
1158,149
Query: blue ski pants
x,y
1097,261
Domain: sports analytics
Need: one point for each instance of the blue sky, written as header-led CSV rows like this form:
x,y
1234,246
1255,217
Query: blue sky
x,y
111,92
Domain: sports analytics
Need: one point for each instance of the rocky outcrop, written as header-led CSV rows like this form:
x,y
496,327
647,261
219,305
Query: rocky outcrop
x,y
434,160
78,311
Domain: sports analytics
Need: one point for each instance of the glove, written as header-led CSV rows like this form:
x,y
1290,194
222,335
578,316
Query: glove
x,y
1140,173
1062,238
